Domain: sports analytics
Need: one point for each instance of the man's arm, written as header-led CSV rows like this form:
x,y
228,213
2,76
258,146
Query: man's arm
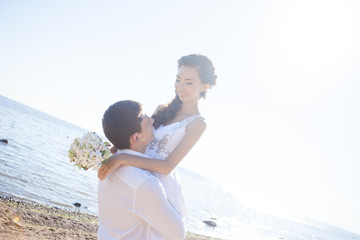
x,y
152,205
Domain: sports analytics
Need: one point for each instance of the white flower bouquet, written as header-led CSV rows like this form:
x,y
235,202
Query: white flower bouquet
x,y
89,151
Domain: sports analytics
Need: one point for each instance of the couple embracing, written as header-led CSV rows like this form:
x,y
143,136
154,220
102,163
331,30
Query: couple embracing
x,y
139,193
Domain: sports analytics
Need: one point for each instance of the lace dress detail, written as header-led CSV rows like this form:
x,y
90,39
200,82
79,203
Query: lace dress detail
x,y
166,138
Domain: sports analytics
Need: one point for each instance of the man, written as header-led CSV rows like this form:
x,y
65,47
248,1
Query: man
x,y
132,202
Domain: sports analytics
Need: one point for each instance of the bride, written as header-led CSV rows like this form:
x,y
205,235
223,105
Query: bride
x,y
177,127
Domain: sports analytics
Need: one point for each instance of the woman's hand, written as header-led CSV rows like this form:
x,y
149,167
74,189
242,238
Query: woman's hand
x,y
113,150
111,165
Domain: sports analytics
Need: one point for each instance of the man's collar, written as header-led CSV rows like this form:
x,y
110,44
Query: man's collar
x,y
131,152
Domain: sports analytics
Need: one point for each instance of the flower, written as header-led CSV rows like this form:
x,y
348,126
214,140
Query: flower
x,y
89,151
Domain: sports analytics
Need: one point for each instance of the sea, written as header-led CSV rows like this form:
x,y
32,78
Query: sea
x,y
34,167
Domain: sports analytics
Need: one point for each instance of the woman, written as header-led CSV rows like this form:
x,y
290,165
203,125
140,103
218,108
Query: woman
x,y
178,126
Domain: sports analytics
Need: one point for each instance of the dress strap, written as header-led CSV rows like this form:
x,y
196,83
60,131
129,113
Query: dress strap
x,y
191,118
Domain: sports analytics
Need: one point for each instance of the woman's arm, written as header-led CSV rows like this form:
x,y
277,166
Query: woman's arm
x,y
194,130
193,133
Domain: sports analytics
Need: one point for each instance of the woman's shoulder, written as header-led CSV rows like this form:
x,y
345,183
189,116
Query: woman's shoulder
x,y
197,123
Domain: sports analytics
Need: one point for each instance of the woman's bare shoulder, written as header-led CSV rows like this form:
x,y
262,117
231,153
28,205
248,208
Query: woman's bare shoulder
x,y
198,123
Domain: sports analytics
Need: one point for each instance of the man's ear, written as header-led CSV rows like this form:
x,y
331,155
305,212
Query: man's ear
x,y
134,139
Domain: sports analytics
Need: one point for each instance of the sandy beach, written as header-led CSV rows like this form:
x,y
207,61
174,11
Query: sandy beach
x,y
21,220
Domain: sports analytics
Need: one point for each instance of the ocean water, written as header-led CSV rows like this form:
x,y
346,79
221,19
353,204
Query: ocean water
x,y
34,167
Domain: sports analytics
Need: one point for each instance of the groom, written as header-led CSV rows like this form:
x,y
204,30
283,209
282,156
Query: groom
x,y
132,202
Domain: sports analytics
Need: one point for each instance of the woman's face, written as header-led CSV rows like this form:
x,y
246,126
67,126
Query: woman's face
x,y
188,85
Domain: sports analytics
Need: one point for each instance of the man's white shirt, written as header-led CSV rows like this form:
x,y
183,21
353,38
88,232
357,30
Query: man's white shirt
x,y
133,205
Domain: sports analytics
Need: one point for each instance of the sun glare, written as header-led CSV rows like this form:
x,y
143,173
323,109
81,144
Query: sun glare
x,y
316,34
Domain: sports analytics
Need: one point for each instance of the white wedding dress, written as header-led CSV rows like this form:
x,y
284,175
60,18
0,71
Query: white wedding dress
x,y
166,138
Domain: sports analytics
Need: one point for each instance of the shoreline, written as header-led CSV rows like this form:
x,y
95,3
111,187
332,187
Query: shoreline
x,y
31,221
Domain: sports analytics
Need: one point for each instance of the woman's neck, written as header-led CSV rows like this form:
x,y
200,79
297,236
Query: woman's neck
x,y
189,108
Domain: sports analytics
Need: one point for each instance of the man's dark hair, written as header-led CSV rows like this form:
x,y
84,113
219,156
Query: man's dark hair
x,y
120,121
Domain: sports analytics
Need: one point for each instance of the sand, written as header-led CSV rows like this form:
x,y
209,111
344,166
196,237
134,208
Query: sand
x,y
23,220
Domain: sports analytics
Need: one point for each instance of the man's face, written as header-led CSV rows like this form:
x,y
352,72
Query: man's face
x,y
146,134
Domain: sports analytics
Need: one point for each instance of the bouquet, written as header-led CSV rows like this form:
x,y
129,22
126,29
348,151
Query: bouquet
x,y
89,151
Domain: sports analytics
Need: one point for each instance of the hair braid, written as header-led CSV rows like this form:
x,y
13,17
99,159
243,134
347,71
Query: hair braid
x,y
167,113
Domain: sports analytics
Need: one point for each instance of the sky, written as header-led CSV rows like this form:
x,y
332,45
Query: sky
x,y
283,128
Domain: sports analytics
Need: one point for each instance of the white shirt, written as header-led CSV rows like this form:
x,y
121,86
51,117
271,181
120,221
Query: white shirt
x,y
133,205
166,139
